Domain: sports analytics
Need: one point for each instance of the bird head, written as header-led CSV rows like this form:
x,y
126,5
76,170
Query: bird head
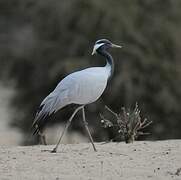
x,y
104,44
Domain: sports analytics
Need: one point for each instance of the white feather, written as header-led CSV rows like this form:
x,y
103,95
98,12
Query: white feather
x,y
96,46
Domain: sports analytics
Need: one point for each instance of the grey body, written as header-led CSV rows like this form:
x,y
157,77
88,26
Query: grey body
x,y
81,87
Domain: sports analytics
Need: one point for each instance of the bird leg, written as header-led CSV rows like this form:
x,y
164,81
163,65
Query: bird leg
x,y
42,138
87,129
65,129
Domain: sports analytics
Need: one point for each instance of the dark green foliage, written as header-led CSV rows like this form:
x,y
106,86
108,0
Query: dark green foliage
x,y
43,40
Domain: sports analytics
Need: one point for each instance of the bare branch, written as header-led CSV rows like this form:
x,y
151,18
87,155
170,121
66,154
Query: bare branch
x,y
128,124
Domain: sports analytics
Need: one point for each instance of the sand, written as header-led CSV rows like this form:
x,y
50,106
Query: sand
x,y
160,160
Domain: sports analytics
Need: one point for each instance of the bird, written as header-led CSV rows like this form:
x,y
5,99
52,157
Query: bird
x,y
81,88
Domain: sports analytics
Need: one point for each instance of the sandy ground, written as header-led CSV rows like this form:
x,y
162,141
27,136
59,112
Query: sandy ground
x,y
160,160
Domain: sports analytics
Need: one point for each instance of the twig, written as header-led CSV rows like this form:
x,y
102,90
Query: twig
x,y
128,124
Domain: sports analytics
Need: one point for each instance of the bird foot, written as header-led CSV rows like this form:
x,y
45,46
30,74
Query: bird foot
x,y
54,150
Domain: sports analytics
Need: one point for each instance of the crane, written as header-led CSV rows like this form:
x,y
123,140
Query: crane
x,y
81,87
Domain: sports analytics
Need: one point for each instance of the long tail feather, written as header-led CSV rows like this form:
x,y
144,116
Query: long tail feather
x,y
40,120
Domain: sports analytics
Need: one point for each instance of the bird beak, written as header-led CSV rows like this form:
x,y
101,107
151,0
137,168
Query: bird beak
x,y
98,45
115,46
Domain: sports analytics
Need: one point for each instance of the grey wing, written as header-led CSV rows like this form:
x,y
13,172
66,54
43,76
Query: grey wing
x,y
55,101
52,103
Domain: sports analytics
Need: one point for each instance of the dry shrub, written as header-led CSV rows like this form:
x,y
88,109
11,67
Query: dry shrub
x,y
127,124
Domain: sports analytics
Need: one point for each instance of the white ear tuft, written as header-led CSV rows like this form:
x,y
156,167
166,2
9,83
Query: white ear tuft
x,y
96,46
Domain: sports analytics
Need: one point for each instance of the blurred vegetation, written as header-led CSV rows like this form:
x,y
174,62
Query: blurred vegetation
x,y
43,40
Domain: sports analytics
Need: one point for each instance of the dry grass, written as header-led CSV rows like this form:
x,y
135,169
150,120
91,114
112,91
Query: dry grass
x,y
127,124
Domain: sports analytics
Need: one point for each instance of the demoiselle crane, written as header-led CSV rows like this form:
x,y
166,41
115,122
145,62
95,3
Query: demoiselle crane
x,y
81,87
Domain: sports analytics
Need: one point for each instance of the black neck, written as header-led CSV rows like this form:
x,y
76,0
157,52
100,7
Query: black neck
x,y
109,59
